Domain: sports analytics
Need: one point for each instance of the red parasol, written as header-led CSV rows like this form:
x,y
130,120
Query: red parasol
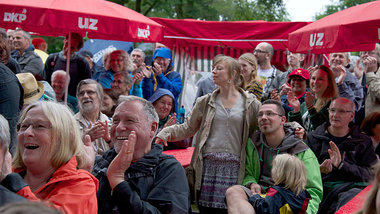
x,y
98,18
354,29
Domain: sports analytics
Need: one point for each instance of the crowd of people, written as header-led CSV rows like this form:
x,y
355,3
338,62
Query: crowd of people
x,y
91,140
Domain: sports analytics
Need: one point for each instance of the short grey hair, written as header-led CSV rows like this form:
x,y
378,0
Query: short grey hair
x,y
139,50
99,88
5,137
148,108
127,77
24,33
59,72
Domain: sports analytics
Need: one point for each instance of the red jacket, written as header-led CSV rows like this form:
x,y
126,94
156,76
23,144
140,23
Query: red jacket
x,y
71,190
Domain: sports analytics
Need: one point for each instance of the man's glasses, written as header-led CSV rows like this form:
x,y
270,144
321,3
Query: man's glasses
x,y
259,51
268,114
340,111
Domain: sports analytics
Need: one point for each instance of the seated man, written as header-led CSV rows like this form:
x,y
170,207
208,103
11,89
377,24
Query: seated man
x,y
274,138
345,155
134,176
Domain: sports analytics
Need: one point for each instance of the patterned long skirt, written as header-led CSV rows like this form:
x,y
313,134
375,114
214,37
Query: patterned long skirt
x,y
220,171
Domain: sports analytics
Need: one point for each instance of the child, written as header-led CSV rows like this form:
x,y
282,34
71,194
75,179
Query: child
x,y
288,195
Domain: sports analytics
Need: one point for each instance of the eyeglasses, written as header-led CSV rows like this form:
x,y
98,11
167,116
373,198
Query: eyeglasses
x,y
268,114
340,111
37,126
89,93
259,51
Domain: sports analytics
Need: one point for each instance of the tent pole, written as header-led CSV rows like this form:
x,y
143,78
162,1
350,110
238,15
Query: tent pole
x,y
67,68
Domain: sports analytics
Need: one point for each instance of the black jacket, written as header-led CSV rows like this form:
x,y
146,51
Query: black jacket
x,y
155,184
7,196
357,153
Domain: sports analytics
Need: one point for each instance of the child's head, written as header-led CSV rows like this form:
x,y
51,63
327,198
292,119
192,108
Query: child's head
x,y
289,171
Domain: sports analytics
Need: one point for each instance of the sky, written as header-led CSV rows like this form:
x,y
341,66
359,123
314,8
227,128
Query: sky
x,y
305,10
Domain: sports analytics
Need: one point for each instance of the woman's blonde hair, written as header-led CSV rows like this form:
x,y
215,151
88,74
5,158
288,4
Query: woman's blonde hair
x,y
251,59
65,138
331,91
232,65
289,171
369,206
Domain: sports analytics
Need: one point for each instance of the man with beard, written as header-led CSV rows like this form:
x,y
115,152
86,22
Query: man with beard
x,y
138,59
92,122
275,137
24,53
266,72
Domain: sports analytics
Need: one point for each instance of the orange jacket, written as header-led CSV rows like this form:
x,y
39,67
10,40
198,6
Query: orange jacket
x,y
70,190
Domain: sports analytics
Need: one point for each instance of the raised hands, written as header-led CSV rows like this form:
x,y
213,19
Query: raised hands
x,y
122,161
294,102
274,95
370,64
309,100
99,130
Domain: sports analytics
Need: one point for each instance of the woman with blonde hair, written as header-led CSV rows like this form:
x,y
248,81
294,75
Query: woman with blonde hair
x,y
223,121
314,111
49,153
248,66
288,195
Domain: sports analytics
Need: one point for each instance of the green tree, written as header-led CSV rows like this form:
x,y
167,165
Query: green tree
x,y
211,10
338,6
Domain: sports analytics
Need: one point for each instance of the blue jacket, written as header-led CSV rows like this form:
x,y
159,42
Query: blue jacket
x,y
169,79
279,200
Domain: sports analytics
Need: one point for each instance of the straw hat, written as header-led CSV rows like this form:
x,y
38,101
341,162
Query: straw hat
x,y
33,90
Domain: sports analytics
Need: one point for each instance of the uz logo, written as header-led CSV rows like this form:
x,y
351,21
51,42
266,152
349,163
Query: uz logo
x,y
15,17
319,40
87,23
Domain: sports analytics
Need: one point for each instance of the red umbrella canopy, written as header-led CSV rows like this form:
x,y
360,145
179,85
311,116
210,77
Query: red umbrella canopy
x,y
236,34
98,19
353,29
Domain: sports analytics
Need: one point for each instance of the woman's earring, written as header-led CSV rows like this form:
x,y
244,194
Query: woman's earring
x,y
229,81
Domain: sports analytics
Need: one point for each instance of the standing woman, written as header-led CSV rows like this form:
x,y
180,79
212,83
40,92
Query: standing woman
x,y
248,66
314,111
224,119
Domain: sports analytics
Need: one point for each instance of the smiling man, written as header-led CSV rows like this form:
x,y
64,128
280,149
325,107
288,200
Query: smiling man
x,y
134,176
24,53
275,137
348,85
345,156
90,119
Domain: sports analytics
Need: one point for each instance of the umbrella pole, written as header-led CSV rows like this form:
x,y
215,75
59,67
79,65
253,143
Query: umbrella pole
x,y
67,68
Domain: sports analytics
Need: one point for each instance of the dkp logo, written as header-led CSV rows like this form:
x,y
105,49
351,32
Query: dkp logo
x,y
15,17
145,33
87,23
319,40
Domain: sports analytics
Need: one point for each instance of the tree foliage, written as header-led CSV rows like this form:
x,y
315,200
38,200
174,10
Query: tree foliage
x,y
338,6
211,10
